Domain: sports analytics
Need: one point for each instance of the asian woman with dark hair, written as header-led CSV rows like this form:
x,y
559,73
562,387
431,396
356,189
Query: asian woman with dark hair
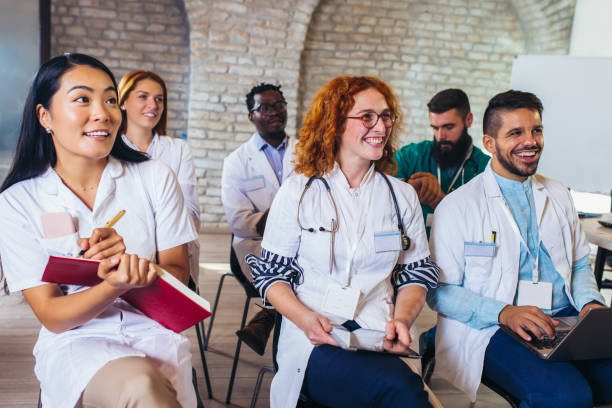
x,y
93,349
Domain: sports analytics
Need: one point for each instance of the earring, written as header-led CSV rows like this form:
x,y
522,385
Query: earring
x,y
48,130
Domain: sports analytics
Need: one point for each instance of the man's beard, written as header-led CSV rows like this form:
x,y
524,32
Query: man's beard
x,y
453,157
524,172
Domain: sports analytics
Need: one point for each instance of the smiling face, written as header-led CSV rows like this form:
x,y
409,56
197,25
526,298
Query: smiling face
x,y
83,115
357,143
518,145
144,105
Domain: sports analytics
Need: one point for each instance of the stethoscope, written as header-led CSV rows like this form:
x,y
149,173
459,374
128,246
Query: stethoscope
x,y
334,222
461,170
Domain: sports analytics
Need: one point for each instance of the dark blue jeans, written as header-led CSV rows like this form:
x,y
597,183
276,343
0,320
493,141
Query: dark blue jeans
x,y
340,378
542,384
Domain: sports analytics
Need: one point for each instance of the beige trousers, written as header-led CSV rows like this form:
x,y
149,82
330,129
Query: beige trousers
x,y
129,382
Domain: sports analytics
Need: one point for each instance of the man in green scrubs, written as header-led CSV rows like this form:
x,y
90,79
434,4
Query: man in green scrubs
x,y
437,167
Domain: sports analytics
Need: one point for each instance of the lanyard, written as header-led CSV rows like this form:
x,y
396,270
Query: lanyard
x,y
459,170
535,274
362,206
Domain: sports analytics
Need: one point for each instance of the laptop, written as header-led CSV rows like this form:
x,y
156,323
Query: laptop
x,y
577,339
366,340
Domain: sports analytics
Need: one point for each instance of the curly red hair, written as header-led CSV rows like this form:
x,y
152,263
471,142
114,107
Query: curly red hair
x,y
315,152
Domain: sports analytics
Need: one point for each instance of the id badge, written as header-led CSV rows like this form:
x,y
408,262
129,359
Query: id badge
x,y
341,301
387,241
479,249
254,183
535,294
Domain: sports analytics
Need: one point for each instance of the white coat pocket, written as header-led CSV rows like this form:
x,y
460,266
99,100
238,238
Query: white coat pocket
x,y
62,246
478,269
254,184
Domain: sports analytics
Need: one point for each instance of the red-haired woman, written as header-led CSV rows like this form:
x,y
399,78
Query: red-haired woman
x,y
143,100
345,250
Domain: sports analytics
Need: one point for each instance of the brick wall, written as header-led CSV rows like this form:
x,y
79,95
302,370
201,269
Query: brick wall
x,y
547,24
128,35
234,46
211,52
418,48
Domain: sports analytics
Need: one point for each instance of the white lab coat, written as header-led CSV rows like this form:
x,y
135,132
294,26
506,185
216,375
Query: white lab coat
x,y
470,214
248,186
177,154
154,220
368,271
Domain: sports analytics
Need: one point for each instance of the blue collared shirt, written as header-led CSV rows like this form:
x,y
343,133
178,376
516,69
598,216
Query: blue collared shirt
x,y
274,155
479,311
519,197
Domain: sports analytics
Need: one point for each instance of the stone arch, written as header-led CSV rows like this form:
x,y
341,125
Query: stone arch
x,y
234,46
546,24
417,48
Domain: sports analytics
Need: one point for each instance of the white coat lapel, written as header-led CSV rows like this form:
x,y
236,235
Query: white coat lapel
x,y
259,165
507,241
540,198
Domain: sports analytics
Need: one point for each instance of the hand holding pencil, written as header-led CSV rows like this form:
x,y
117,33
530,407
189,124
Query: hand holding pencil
x,y
104,243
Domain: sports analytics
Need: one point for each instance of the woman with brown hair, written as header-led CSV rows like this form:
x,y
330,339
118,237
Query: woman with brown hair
x,y
349,245
143,100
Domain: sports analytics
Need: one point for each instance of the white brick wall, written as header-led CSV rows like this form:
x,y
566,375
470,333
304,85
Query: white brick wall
x,y
211,52
128,35
419,48
234,46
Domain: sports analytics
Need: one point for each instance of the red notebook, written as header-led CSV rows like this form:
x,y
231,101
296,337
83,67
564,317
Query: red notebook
x,y
167,300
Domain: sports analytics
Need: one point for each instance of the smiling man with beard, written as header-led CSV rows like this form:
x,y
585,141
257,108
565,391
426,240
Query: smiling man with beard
x,y
437,167
511,251
252,174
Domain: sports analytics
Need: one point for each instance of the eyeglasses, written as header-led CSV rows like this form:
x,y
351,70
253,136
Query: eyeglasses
x,y
370,119
280,106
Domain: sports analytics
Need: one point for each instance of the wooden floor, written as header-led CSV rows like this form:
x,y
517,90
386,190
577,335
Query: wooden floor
x,y
19,329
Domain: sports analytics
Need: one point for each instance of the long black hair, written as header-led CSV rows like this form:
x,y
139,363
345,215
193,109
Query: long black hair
x,y
35,150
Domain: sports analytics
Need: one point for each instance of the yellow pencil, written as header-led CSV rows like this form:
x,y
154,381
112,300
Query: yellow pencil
x,y
108,225
115,219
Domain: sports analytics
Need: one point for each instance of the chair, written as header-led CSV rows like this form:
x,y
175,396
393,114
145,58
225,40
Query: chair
x,y
251,292
428,362
199,328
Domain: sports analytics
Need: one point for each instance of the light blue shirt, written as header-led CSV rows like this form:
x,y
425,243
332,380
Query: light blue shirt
x,y
274,155
480,312
519,197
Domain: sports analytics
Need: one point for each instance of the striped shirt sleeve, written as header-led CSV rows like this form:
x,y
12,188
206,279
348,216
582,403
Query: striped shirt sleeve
x,y
272,268
423,273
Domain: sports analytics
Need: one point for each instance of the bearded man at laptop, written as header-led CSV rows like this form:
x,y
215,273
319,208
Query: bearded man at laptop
x,y
511,251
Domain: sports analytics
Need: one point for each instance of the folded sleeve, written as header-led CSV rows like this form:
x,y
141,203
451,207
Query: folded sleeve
x,y
424,273
272,268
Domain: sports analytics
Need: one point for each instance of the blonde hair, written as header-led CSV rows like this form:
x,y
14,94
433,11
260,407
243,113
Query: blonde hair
x,y
316,150
127,85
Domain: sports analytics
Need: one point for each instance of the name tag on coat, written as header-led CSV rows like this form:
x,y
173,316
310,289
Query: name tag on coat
x,y
479,249
254,183
387,241
537,294
341,301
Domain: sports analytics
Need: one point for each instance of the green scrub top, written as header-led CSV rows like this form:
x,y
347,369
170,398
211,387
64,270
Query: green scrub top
x,y
417,157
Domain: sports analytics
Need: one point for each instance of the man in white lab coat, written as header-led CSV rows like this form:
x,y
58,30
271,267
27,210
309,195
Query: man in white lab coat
x,y
511,251
252,174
